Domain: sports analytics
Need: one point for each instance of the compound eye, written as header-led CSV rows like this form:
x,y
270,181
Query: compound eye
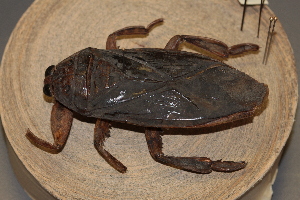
x,y
49,70
47,91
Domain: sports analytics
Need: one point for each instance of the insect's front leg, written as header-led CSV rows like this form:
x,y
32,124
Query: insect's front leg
x,y
200,165
101,132
61,122
215,46
131,30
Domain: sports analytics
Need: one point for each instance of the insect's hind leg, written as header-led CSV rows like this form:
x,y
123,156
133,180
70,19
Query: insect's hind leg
x,y
130,30
61,122
200,165
215,46
101,132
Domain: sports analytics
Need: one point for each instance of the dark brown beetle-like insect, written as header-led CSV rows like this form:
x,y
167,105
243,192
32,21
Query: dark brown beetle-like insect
x,y
153,88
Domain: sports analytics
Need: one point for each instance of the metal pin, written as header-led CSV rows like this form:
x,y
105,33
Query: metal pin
x,y
244,11
269,38
262,2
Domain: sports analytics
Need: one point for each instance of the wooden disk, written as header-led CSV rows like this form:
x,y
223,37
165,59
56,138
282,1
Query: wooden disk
x,y
51,30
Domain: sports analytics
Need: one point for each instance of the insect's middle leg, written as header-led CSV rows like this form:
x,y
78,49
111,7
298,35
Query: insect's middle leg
x,y
61,122
130,30
101,132
200,165
214,46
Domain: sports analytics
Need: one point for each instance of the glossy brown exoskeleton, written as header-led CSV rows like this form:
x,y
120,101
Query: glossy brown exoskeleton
x,y
153,88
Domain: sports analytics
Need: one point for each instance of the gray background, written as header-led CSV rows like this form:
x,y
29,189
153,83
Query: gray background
x,y
288,180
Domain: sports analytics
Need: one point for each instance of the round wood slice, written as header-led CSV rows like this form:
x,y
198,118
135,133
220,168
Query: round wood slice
x,y
51,30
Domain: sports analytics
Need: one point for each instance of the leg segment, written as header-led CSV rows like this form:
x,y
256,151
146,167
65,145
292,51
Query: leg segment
x,y
131,30
101,132
200,165
215,46
61,122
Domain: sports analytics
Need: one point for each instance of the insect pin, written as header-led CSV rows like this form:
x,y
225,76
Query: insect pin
x,y
244,11
269,38
262,2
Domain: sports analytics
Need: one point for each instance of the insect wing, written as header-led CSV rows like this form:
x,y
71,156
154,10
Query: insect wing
x,y
180,93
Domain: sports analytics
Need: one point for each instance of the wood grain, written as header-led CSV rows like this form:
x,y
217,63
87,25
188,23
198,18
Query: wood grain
x,y
51,30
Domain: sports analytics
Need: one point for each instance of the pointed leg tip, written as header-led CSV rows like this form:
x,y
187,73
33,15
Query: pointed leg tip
x,y
227,166
123,170
30,136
